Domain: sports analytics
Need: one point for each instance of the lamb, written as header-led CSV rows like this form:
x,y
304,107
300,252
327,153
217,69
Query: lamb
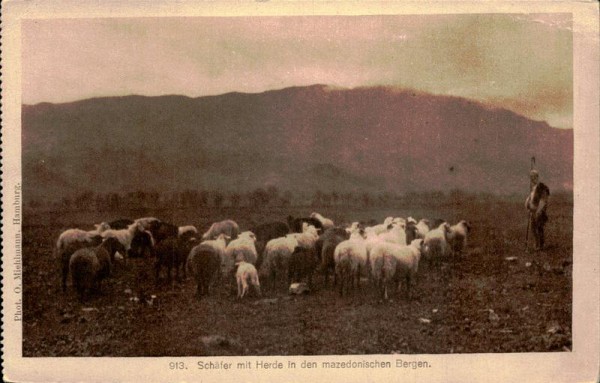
x,y
436,243
458,237
227,227
172,253
393,263
350,257
302,264
276,257
325,222
89,266
242,248
246,274
204,263
125,236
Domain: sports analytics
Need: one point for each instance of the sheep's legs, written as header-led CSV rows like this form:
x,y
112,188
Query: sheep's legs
x,y
156,272
65,273
239,286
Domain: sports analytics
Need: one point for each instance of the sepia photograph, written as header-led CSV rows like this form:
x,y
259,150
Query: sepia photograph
x,y
370,189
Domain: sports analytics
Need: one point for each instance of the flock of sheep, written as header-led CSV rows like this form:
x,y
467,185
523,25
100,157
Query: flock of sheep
x,y
287,254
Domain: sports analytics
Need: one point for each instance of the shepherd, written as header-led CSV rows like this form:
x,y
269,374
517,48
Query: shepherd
x,y
536,203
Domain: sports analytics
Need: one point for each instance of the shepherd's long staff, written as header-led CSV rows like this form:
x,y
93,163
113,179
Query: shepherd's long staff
x,y
530,213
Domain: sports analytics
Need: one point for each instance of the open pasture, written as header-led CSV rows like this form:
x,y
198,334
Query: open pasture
x,y
481,303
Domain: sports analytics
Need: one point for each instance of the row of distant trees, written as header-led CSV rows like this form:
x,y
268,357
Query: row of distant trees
x,y
257,198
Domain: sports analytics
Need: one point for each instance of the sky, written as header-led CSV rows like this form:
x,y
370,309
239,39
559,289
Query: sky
x,y
522,62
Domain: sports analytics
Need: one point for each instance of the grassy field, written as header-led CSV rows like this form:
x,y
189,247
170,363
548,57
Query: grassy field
x,y
484,303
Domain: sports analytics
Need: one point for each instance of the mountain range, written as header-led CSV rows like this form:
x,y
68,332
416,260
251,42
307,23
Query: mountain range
x,y
298,139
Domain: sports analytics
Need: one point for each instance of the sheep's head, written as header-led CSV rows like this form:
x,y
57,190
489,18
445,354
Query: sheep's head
x,y
101,227
411,220
221,236
314,215
446,228
467,225
136,227
310,229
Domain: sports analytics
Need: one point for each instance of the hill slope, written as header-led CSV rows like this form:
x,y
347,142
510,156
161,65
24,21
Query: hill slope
x,y
310,138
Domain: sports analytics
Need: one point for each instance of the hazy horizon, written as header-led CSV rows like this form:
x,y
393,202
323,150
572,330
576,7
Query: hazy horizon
x,y
519,62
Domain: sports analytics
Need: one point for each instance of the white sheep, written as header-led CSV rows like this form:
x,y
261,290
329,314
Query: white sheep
x,y
436,243
218,245
246,275
353,226
457,237
70,236
125,236
393,263
326,222
243,248
307,238
227,227
183,230
350,257
397,234
422,228
72,240
383,227
276,257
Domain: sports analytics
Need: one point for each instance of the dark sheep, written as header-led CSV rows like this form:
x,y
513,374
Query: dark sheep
x,y
171,253
141,244
89,266
302,265
266,232
204,265
411,232
330,242
67,252
122,223
329,233
162,230
295,224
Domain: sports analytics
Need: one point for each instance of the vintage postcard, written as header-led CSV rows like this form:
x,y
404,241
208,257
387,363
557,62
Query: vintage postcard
x,y
300,191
